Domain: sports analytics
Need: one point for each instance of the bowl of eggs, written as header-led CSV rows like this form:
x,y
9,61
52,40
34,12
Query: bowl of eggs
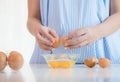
x,y
61,60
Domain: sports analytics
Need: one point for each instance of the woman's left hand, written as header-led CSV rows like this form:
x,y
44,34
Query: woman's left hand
x,y
82,37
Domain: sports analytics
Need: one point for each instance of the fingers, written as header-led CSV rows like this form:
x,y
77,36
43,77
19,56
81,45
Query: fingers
x,y
43,40
46,37
49,37
44,47
43,43
79,38
53,33
75,41
46,34
82,44
76,33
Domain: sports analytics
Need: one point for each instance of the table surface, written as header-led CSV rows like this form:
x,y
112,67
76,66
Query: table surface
x,y
79,73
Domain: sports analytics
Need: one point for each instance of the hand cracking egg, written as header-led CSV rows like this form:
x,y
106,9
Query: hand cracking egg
x,y
15,60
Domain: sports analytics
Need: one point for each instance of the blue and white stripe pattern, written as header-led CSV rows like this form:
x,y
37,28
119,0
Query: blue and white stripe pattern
x,y
65,16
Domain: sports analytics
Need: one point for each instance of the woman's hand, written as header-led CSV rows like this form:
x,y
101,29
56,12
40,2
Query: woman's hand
x,y
45,37
82,37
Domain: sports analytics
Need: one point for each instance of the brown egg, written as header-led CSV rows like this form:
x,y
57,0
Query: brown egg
x,y
104,62
90,62
15,60
56,43
3,61
63,40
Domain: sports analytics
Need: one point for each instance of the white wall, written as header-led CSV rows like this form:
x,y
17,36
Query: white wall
x,y
13,31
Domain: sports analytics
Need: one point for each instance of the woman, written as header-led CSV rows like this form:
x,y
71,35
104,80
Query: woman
x,y
94,23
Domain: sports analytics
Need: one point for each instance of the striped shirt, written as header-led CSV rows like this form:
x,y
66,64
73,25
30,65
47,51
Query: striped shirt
x,y
65,16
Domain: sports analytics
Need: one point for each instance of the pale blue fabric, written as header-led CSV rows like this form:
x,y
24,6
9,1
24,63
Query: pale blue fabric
x,y
65,16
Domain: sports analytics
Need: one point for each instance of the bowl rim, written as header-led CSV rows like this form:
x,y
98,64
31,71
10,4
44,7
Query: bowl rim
x,y
77,55
45,57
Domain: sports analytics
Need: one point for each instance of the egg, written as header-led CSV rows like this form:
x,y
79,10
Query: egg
x,y
3,61
90,62
63,40
56,43
15,60
104,62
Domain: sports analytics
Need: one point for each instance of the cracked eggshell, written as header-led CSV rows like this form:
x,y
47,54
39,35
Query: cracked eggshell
x,y
104,62
90,62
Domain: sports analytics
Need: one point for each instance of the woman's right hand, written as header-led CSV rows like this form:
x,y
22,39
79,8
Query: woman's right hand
x,y
45,37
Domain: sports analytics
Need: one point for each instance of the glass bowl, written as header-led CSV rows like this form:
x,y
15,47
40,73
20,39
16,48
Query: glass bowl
x,y
61,60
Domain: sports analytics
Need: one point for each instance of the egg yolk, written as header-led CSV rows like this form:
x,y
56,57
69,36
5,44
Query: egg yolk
x,y
61,64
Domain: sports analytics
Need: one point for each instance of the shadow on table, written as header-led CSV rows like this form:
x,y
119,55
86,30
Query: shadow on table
x,y
3,77
12,77
15,77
